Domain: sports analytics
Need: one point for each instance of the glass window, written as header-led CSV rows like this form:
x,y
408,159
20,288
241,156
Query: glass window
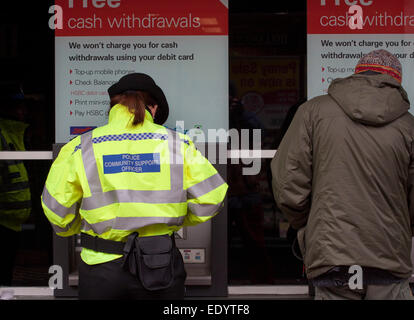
x,y
259,239
267,50
27,77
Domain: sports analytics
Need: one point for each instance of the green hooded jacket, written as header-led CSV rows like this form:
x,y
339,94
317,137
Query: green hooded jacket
x,y
344,174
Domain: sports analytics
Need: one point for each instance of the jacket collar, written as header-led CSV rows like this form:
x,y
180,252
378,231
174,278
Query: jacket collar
x,y
119,115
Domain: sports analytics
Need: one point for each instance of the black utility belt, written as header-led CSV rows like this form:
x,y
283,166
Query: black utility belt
x,y
150,259
102,245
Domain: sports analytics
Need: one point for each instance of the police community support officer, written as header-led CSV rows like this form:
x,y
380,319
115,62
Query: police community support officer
x,y
15,196
127,186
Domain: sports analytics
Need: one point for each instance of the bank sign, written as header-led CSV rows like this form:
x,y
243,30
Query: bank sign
x,y
335,45
182,45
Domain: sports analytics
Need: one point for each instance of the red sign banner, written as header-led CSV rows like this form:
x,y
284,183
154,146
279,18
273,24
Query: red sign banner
x,y
378,16
142,18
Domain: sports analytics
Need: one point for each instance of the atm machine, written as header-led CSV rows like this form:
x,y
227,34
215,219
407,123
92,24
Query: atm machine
x,y
203,247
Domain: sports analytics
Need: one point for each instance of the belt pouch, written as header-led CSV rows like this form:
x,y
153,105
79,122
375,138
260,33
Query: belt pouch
x,y
155,261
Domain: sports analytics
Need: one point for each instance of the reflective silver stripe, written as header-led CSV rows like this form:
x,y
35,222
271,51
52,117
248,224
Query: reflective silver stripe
x,y
58,229
13,162
14,186
89,162
13,175
204,210
130,223
55,206
15,205
99,200
205,186
176,160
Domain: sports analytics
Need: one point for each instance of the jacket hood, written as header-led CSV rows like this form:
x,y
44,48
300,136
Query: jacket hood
x,y
370,99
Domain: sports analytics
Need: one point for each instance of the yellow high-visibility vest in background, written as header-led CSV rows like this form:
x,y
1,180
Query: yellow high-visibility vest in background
x,y
119,178
15,203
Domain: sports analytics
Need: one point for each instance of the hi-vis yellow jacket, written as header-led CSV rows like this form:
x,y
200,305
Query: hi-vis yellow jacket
x,y
118,179
15,204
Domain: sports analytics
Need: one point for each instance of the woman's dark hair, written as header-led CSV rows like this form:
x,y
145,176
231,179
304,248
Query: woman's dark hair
x,y
136,101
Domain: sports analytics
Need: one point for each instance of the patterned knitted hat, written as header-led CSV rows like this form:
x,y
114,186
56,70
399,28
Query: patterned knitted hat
x,y
380,61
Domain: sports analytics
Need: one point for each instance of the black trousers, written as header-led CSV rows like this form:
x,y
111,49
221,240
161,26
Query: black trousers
x,y
109,281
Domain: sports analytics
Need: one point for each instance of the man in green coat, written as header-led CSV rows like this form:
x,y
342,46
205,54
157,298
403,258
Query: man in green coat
x,y
343,176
